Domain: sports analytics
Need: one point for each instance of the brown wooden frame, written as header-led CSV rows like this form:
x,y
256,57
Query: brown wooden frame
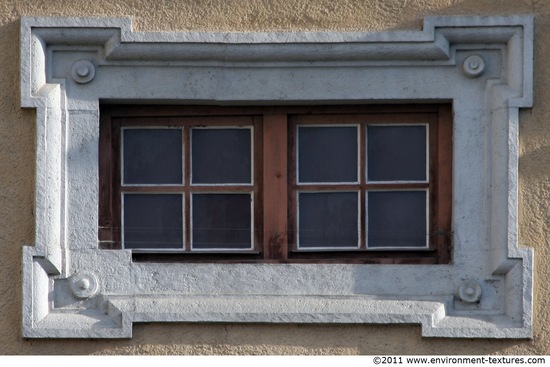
x,y
274,182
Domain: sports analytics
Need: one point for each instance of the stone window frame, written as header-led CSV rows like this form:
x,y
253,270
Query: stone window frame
x,y
73,289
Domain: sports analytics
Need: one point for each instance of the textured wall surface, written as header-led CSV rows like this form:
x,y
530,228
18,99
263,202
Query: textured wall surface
x,y
17,149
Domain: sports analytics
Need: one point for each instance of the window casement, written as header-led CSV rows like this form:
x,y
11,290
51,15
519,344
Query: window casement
x,y
181,184
367,184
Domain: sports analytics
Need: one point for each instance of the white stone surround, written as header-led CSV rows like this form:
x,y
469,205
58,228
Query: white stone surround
x,y
483,65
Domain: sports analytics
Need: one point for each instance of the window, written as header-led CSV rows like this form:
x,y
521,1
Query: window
x,y
290,266
352,183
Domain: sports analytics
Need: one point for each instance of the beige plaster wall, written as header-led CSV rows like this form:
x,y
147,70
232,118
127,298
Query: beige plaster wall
x,y
17,146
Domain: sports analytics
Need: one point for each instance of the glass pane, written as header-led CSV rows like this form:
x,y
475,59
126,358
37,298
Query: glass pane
x,y
396,153
327,154
397,219
152,156
153,221
221,156
328,219
222,221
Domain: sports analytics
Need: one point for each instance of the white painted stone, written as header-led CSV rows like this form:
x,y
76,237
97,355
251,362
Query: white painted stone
x,y
277,69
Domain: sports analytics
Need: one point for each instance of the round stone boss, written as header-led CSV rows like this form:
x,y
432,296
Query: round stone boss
x,y
84,284
83,71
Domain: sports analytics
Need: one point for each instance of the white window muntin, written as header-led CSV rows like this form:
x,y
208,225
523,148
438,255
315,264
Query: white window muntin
x,y
222,249
251,128
123,128
427,157
326,248
154,250
390,248
327,183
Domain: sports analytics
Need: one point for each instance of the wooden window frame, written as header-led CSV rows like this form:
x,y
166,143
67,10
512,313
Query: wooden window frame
x,y
112,187
274,178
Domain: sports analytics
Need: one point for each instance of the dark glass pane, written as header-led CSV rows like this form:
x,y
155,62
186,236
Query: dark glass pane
x,y
152,156
396,153
397,219
327,154
328,219
221,156
222,221
153,221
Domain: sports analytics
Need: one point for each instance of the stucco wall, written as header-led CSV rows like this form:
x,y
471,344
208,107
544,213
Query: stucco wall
x,y
17,134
